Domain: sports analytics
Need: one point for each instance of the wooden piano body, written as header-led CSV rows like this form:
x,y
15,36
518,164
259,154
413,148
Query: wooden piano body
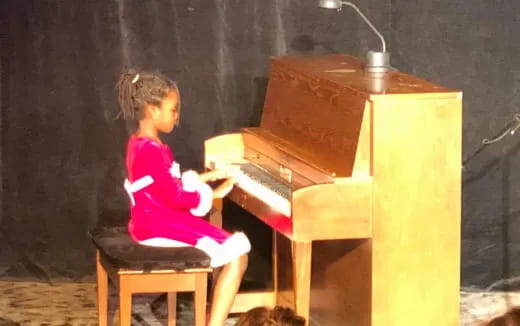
x,y
373,164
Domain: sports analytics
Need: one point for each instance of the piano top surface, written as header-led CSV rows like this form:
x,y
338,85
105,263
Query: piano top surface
x,y
348,71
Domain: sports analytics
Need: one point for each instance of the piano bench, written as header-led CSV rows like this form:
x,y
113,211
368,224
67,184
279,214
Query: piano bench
x,y
135,268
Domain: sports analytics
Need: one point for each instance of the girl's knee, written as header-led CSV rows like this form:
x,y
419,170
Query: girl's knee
x,y
240,263
244,260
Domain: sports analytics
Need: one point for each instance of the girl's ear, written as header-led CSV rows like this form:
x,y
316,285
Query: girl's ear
x,y
155,112
152,111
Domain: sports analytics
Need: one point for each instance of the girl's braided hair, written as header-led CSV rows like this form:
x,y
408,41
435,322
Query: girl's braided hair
x,y
136,89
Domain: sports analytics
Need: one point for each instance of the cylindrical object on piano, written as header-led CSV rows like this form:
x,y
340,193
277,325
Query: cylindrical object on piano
x,y
378,62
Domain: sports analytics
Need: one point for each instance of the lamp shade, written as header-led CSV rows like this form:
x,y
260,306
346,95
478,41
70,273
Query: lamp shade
x,y
330,4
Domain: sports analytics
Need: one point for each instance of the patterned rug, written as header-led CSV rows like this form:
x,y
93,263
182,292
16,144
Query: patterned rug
x,y
74,304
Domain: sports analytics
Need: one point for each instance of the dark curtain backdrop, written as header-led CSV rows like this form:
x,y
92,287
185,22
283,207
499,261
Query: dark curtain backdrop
x,y
474,46
62,151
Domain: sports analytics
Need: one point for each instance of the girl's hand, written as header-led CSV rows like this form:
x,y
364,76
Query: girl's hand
x,y
224,188
213,175
217,174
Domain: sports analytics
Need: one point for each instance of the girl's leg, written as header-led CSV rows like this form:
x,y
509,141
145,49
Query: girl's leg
x,y
226,288
185,228
192,230
221,246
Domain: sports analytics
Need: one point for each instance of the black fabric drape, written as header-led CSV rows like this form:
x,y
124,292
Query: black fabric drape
x,y
62,151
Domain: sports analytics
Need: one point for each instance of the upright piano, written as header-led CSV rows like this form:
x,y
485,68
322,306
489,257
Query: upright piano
x,y
359,176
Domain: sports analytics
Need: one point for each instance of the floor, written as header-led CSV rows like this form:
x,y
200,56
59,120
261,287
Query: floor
x,y
74,304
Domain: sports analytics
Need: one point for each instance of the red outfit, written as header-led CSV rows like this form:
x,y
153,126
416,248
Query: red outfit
x,y
163,208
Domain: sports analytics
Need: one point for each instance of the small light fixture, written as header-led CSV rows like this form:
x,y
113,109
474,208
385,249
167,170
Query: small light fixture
x,y
377,62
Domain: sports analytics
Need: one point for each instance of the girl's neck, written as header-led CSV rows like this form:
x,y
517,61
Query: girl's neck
x,y
147,130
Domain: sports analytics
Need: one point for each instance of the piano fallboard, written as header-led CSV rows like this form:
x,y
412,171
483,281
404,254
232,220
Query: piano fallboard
x,y
283,160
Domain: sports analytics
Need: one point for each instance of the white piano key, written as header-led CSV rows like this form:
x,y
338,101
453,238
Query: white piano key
x,y
263,192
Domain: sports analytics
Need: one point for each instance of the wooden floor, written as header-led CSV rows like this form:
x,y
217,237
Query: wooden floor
x,y
71,304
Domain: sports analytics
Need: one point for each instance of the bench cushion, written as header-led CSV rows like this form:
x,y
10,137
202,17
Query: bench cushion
x,y
116,245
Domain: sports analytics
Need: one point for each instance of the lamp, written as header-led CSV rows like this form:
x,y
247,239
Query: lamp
x,y
377,62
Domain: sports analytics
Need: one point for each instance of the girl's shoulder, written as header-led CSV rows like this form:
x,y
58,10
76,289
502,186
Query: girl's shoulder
x,y
144,144
144,141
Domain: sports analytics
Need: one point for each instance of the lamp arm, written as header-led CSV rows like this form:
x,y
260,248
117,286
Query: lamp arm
x,y
350,4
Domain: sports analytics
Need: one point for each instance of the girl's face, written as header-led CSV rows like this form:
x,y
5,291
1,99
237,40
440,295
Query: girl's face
x,y
168,113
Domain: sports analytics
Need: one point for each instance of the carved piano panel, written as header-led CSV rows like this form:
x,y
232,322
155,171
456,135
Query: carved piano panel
x,y
318,117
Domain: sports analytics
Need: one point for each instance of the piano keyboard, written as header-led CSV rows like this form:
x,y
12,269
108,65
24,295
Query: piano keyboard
x,y
260,184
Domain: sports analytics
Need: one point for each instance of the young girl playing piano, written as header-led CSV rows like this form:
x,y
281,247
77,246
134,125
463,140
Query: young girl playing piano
x,y
166,206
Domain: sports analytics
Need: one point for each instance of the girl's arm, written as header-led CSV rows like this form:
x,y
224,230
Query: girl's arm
x,y
224,188
224,171
166,188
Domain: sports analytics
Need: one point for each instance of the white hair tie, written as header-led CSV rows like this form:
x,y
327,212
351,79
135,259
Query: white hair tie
x,y
136,78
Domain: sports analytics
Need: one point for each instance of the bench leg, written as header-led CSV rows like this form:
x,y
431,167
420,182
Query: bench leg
x,y
102,292
125,303
201,287
172,308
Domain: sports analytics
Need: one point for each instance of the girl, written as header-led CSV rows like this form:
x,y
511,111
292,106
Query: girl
x,y
165,204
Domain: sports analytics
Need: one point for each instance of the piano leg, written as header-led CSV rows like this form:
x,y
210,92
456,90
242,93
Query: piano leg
x,y
301,254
